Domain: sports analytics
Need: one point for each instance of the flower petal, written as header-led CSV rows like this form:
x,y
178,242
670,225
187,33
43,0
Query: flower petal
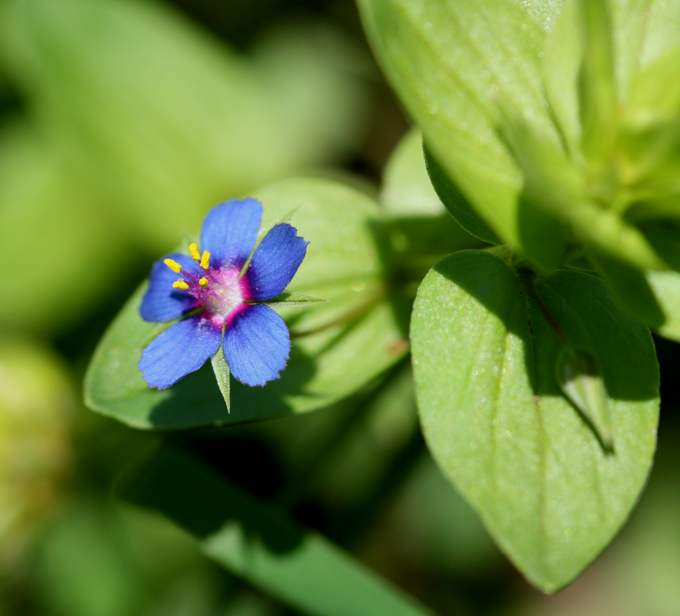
x,y
275,262
257,345
179,350
230,230
161,302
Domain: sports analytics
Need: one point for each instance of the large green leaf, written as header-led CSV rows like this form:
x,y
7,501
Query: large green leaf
x,y
486,344
339,344
463,67
451,62
252,539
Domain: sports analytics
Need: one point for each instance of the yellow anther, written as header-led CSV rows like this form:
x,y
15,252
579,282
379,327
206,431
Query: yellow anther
x,y
173,265
180,284
205,260
194,252
203,281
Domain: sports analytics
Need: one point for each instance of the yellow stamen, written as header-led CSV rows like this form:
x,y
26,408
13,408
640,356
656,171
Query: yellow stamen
x,y
173,265
203,281
205,260
180,284
194,252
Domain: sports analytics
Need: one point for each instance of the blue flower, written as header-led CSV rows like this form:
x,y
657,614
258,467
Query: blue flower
x,y
217,303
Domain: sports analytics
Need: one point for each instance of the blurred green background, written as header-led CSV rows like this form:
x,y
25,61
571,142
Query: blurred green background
x,y
121,123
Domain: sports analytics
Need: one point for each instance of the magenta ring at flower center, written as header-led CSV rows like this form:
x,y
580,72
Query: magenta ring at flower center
x,y
225,295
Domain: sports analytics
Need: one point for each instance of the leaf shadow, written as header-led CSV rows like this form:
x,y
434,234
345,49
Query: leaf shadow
x,y
209,506
199,395
522,307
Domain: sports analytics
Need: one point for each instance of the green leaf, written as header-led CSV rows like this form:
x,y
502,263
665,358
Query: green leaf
x,y
451,62
652,296
252,539
608,62
665,284
222,376
421,229
406,189
597,80
460,67
338,345
593,52
652,157
655,94
666,289
485,345
554,191
630,286
611,235
456,203
561,66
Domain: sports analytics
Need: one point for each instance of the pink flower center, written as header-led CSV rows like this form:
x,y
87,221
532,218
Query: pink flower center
x,y
220,291
224,296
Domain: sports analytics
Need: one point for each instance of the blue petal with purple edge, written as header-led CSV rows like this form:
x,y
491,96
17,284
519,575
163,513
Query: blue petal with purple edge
x,y
275,262
161,302
257,345
230,229
179,350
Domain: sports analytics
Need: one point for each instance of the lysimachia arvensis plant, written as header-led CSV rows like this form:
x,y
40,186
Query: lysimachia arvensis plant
x,y
217,292
552,136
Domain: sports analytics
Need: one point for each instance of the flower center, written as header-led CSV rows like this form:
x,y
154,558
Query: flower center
x,y
220,291
224,293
